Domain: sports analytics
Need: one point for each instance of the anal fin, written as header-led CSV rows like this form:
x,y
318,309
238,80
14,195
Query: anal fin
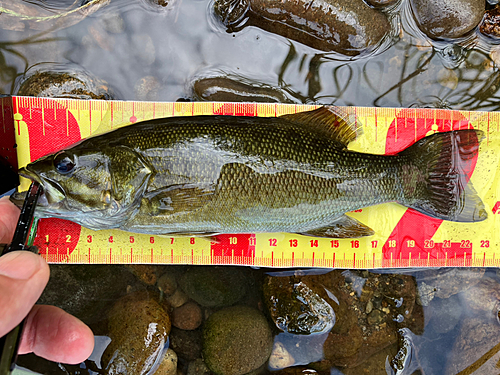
x,y
343,227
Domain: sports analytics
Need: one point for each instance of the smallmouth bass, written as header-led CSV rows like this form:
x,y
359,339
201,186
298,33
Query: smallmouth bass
x,y
228,174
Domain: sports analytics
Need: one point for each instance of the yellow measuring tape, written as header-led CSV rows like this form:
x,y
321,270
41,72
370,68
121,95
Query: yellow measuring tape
x,y
403,237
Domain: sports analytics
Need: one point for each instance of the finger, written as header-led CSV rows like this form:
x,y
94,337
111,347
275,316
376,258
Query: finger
x,y
9,214
53,334
23,276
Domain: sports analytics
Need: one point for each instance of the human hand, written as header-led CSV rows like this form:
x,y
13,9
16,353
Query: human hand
x,y
49,332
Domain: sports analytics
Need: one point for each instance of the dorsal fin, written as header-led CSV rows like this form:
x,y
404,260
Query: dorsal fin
x,y
330,121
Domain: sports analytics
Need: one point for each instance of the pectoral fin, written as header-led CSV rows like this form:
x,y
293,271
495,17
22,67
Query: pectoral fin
x,y
344,227
177,199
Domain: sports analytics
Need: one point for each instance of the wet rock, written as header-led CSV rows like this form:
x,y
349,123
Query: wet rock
x,y
381,3
355,335
375,364
297,309
476,349
483,298
147,89
197,367
236,340
167,283
445,282
214,286
86,291
349,27
447,19
226,89
187,344
168,365
177,299
145,273
187,316
490,24
138,328
280,357
72,84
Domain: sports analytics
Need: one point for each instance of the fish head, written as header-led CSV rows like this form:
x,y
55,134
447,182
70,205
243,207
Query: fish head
x,y
97,188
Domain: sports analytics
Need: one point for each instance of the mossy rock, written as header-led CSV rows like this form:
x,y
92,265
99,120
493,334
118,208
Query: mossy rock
x,y
236,340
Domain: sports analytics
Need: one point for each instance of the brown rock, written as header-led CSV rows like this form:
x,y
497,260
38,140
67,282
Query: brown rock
x,y
349,27
187,316
447,19
74,84
167,283
356,335
490,24
145,273
187,344
138,328
237,89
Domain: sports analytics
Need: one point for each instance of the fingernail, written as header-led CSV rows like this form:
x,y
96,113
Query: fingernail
x,y
19,265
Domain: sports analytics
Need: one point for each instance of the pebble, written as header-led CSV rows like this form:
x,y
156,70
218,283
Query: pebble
x,y
177,299
169,364
490,24
145,273
147,88
280,357
197,367
187,316
187,344
167,283
447,18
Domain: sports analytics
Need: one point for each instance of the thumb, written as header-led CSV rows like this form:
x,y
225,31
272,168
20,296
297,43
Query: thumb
x,y
23,276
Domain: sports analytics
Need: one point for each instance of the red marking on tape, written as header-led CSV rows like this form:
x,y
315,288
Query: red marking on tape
x,y
57,234
496,207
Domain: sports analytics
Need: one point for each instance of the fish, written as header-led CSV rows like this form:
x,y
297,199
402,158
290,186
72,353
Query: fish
x,y
206,175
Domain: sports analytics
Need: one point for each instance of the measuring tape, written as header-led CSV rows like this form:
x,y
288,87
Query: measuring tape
x,y
403,237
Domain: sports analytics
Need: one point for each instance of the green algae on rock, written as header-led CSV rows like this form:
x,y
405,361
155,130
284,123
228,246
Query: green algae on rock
x,y
348,27
139,328
236,340
50,81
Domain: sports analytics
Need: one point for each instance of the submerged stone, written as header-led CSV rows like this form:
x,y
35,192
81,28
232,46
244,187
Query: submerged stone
x,y
447,19
476,349
352,335
490,25
214,286
138,328
225,89
71,84
348,27
236,340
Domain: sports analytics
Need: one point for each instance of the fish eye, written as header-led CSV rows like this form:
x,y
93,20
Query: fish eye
x,y
64,163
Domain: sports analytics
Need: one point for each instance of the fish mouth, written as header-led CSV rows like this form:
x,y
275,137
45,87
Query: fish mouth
x,y
52,194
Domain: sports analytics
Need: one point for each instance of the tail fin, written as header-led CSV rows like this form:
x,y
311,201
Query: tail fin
x,y
435,176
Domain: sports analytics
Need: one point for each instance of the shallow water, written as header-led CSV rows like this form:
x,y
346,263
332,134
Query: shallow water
x,y
442,321
129,42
